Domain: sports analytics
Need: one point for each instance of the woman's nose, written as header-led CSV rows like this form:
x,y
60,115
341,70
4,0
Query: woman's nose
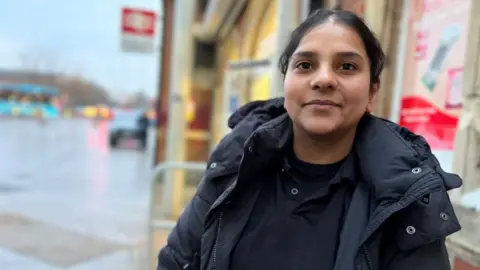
x,y
324,78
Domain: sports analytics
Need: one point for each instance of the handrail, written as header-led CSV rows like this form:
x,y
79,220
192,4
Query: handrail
x,y
154,224
194,166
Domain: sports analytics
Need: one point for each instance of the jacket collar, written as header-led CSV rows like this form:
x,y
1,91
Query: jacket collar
x,y
385,151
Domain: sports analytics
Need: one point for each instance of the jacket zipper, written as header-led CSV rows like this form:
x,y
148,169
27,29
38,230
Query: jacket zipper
x,y
214,256
367,258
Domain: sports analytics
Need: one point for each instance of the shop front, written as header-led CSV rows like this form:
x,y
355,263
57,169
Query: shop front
x,y
245,68
431,97
264,49
255,75
229,51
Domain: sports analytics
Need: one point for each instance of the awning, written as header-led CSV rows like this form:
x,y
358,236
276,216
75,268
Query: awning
x,y
219,17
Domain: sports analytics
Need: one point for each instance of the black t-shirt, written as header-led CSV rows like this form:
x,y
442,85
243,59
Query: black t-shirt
x,y
297,219
143,123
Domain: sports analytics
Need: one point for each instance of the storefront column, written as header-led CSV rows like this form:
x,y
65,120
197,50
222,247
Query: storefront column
x,y
383,17
179,90
287,12
463,246
399,69
375,18
467,143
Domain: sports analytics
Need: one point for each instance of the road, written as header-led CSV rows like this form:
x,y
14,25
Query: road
x,y
67,201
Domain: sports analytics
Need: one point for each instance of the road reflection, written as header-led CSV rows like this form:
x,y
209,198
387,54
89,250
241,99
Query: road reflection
x,y
63,173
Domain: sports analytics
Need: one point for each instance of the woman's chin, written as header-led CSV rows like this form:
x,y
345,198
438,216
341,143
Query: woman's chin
x,y
320,129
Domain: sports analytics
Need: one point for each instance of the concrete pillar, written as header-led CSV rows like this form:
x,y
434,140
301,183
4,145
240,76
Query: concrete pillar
x,y
399,68
467,144
287,19
384,18
179,91
283,18
464,246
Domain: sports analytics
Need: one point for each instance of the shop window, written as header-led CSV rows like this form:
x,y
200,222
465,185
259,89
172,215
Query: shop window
x,y
205,55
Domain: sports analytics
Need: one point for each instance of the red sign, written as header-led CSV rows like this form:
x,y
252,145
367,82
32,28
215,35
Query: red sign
x,y
138,22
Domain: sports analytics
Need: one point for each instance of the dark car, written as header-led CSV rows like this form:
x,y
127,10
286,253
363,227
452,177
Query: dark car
x,y
124,126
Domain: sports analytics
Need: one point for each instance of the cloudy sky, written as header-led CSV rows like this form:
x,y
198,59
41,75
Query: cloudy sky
x,y
76,37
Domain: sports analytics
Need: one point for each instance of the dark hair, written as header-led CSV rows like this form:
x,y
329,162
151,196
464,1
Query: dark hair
x,y
372,45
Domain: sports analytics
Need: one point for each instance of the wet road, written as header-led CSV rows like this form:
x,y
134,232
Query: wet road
x,y
67,201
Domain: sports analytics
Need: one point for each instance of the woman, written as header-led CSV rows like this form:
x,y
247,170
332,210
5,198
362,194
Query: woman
x,y
314,181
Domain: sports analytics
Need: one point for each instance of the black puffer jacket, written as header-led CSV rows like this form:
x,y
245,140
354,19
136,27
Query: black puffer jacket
x,y
403,201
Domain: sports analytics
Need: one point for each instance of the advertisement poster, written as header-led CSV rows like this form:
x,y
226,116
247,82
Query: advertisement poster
x,y
432,92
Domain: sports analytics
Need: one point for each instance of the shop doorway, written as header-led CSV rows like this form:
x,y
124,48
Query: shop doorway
x,y
245,81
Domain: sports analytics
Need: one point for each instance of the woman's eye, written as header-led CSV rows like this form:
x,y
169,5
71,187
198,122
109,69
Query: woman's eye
x,y
303,66
348,66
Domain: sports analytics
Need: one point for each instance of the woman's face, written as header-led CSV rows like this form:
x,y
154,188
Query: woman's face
x,y
327,83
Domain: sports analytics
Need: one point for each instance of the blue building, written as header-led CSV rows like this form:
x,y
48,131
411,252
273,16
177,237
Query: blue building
x,y
28,100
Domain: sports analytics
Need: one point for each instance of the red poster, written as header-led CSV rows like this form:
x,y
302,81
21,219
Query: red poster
x,y
432,95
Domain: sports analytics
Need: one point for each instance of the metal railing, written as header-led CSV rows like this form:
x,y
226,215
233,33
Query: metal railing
x,y
166,209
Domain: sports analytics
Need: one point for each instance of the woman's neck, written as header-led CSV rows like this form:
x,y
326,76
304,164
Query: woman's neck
x,y
322,149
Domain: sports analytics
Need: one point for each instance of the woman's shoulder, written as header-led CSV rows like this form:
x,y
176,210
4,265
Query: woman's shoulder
x,y
227,154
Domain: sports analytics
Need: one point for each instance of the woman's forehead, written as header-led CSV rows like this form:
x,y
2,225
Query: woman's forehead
x,y
332,38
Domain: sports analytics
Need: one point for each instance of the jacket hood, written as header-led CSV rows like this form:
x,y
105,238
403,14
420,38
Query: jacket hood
x,y
257,111
386,152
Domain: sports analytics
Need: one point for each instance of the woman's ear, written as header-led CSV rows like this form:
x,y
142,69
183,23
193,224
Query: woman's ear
x,y
372,97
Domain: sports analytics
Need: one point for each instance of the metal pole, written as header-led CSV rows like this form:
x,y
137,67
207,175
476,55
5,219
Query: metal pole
x,y
153,223
167,196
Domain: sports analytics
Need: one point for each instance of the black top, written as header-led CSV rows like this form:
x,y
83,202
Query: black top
x,y
297,219
142,123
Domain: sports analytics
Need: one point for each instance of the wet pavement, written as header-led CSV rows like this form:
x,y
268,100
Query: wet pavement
x,y
69,202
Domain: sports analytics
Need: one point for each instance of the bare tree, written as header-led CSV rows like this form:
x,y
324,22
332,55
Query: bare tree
x,y
40,66
137,99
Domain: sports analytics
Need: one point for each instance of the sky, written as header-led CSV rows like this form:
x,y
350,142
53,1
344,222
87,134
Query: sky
x,y
78,37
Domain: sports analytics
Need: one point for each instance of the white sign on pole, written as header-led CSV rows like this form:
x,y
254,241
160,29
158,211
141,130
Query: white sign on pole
x,y
138,30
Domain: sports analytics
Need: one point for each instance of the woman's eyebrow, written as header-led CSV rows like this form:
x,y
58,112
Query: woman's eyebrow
x,y
349,54
308,54
312,54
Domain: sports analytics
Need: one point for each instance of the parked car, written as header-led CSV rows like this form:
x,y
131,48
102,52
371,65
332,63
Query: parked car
x,y
123,126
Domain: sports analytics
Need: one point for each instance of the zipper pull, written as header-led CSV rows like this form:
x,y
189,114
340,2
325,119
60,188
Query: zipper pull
x,y
194,264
